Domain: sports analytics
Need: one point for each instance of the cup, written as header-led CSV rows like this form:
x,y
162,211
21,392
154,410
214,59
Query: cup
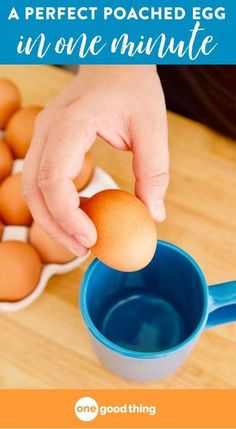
x,y
144,324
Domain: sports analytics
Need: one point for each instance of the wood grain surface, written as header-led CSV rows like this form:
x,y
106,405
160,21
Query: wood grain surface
x,y
46,345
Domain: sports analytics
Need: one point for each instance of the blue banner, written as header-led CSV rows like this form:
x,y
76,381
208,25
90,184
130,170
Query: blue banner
x,y
118,32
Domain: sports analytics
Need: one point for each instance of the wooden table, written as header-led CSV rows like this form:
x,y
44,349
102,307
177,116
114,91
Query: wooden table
x,y
46,345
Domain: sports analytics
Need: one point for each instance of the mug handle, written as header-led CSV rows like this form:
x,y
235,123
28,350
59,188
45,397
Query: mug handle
x,y
222,304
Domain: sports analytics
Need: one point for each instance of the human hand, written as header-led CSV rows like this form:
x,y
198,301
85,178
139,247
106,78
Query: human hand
x,y
125,106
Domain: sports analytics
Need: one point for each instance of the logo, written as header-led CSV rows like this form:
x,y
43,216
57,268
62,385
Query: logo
x,y
86,409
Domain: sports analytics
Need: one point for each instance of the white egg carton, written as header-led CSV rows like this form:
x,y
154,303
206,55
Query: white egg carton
x,y
100,181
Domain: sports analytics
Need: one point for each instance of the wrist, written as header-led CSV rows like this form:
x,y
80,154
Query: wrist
x,y
117,69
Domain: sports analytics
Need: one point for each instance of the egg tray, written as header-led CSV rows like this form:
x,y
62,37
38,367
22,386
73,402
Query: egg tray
x,y
100,181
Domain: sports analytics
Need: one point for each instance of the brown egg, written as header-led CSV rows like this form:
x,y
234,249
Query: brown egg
x,y
6,160
20,128
20,269
10,101
1,230
86,172
127,235
48,249
13,208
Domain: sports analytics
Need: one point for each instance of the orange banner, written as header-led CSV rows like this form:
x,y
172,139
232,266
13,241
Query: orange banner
x,y
117,408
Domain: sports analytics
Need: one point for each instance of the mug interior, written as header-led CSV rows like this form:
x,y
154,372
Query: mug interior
x,y
148,311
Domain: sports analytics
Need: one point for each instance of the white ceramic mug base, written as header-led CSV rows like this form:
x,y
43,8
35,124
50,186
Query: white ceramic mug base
x,y
140,370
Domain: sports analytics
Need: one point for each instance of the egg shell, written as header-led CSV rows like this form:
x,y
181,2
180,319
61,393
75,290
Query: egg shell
x,y
86,172
20,269
48,249
126,231
10,101
20,129
1,230
6,160
101,180
13,208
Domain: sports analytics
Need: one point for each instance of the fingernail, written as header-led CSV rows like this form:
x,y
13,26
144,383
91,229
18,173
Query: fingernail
x,y
158,211
84,240
76,252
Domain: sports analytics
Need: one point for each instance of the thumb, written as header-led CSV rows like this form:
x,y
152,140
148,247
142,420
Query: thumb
x,y
151,162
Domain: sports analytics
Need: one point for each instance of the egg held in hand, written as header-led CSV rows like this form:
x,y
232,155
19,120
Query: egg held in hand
x,y
127,235
6,160
10,101
20,129
13,208
20,269
48,249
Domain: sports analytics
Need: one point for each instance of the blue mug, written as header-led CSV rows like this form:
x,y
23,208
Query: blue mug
x,y
144,324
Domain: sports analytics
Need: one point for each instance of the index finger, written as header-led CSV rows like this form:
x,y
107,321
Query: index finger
x,y
61,161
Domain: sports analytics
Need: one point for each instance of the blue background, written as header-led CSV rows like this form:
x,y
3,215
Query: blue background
x,y
224,32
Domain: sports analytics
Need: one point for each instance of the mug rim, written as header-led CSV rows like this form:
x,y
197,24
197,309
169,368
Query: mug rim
x,y
133,353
